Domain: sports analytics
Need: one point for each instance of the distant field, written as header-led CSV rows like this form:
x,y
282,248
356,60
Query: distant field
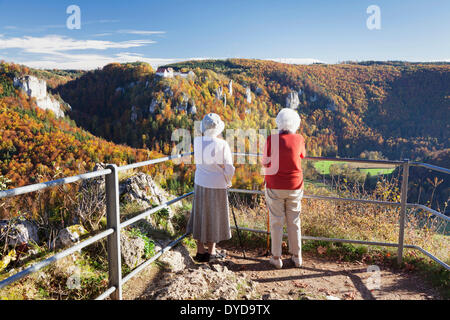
x,y
323,167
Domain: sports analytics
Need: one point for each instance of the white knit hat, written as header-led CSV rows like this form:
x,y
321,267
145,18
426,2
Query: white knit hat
x,y
212,125
288,119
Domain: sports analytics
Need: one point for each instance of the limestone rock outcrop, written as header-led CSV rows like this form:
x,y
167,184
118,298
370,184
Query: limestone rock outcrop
x,y
219,93
292,100
248,95
132,249
192,109
142,189
37,88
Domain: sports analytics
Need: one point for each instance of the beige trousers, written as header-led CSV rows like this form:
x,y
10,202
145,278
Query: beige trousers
x,y
285,206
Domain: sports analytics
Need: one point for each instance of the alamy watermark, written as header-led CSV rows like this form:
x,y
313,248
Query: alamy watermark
x,y
373,22
246,144
374,281
74,20
74,281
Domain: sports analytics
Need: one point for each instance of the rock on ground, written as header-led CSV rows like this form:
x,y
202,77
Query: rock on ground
x,y
132,249
22,232
176,259
70,235
210,282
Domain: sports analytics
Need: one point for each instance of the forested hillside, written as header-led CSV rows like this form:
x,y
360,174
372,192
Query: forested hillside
x,y
37,147
377,110
398,110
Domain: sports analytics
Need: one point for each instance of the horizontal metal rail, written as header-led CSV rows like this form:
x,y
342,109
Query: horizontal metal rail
x,y
153,161
153,210
152,259
106,294
370,243
142,266
54,258
94,174
411,205
54,183
317,197
385,162
425,252
83,176
112,289
430,166
377,202
433,212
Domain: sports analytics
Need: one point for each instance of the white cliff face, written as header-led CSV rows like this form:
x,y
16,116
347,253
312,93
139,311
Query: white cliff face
x,y
292,100
219,93
193,108
37,88
248,94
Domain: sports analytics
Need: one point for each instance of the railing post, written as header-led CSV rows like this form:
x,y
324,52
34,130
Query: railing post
x,y
403,201
113,221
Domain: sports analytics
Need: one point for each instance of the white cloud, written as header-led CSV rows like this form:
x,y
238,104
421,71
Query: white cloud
x,y
102,34
61,52
108,20
295,60
141,32
94,61
53,44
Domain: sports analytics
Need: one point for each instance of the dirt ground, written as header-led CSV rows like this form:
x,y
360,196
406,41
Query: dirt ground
x,y
319,278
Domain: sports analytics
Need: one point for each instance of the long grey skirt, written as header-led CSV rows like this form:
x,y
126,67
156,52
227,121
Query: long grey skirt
x,y
209,220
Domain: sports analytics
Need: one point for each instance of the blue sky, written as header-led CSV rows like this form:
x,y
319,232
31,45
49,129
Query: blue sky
x,y
35,32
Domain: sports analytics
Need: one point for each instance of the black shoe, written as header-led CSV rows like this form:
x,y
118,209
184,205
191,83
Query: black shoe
x,y
202,257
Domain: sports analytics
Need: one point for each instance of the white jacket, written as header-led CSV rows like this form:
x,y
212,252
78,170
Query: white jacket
x,y
214,162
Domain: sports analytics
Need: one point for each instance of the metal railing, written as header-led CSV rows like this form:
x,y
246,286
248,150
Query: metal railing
x,y
112,232
403,204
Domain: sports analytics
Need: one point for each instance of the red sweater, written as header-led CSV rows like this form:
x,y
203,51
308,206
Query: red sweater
x,y
285,171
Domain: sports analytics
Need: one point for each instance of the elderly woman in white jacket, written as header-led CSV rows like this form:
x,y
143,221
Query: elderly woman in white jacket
x,y
209,220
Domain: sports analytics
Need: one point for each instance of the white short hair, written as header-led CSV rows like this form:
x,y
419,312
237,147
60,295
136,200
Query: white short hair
x,y
288,120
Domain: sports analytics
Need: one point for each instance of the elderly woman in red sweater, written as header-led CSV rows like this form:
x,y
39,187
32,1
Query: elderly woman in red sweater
x,y
284,184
